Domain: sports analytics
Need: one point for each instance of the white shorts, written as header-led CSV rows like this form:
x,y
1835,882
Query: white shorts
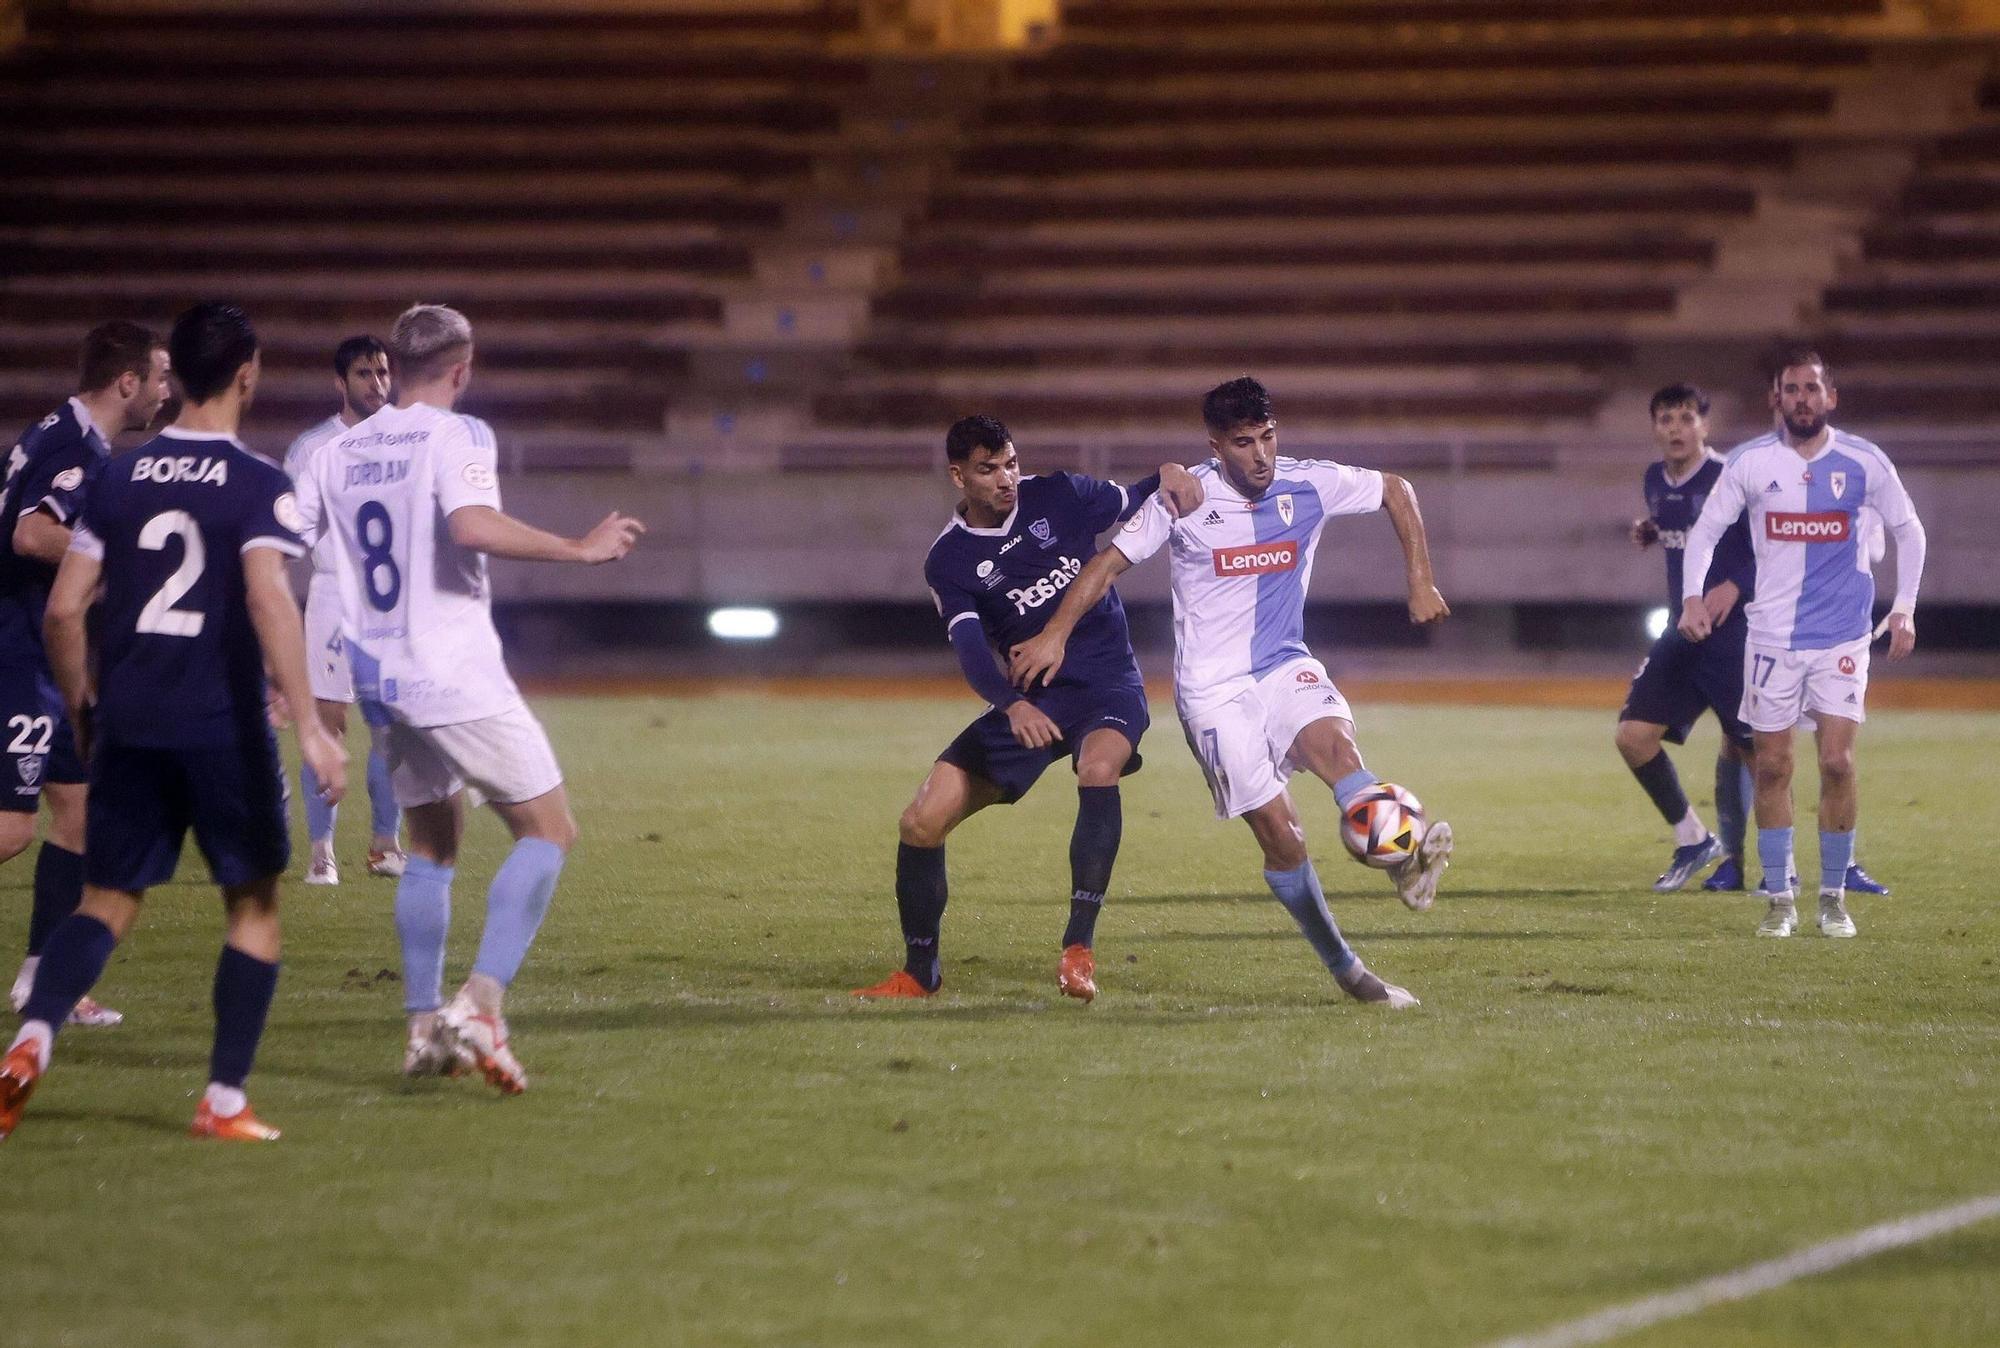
x,y
1781,688
326,657
1244,746
505,757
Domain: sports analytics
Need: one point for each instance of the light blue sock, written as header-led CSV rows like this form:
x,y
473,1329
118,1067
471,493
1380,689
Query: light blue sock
x,y
1352,785
1299,891
319,814
383,816
1836,854
1774,849
423,920
515,907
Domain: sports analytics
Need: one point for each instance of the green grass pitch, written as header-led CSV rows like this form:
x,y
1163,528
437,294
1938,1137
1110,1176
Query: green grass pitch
x,y
1606,1093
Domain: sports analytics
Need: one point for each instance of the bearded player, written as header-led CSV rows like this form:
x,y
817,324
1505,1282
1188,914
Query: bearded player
x,y
1012,545
1254,702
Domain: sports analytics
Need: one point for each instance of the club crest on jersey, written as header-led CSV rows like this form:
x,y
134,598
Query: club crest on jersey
x,y
1285,510
1837,482
69,479
30,768
1044,532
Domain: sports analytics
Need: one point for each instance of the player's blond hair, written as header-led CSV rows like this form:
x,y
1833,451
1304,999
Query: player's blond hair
x,y
427,340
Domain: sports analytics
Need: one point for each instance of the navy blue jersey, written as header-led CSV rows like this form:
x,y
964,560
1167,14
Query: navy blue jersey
x,y
180,666
1674,509
51,459
1011,578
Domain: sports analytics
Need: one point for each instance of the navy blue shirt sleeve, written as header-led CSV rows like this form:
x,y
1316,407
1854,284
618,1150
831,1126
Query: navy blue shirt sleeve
x,y
1104,503
981,670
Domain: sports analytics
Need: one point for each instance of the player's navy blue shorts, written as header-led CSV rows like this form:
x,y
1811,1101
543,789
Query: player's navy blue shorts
x,y
987,748
1682,678
143,801
39,744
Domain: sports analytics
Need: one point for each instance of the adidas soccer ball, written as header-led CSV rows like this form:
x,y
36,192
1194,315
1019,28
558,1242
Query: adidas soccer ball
x,y
1383,826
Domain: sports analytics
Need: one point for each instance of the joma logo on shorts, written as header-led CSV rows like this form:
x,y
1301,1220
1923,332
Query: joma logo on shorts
x,y
1825,526
1256,559
1047,588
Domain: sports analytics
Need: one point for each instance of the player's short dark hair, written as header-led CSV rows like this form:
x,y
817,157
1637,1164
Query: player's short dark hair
x,y
1678,395
355,349
209,344
970,433
1240,402
1791,356
115,348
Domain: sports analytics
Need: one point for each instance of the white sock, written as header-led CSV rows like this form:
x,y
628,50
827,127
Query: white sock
x,y
225,1102
42,1036
1690,830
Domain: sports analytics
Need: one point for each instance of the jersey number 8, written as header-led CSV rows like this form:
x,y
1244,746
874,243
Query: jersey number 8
x,y
379,574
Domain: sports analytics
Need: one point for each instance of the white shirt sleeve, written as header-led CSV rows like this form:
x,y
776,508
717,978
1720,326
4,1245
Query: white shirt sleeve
x,y
1887,497
1724,504
310,505
465,463
1146,532
1344,489
83,541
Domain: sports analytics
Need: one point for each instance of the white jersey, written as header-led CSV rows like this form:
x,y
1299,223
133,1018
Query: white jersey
x,y
295,464
1241,568
416,612
1808,518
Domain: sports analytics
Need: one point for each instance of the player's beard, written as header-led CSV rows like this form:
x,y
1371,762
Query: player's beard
x,y
1807,427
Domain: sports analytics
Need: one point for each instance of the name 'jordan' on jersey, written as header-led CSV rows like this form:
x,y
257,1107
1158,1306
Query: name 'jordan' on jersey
x,y
416,608
51,460
1674,507
1011,578
1814,587
180,665
1241,568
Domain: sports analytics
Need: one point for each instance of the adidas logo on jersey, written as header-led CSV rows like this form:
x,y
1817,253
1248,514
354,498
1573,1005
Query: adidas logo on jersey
x,y
1212,517
1047,588
1773,487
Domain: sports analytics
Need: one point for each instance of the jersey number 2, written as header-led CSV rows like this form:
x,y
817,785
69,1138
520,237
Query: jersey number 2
x,y
160,616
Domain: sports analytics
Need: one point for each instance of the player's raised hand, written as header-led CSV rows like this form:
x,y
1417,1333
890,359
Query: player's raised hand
x,y
1695,624
1181,490
614,536
1427,605
1037,658
1644,532
1032,727
1902,635
323,754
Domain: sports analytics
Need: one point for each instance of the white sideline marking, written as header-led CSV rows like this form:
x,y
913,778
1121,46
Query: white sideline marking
x,y
1617,1321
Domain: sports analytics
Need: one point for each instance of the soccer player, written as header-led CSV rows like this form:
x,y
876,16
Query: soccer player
x,y
1679,679
122,385
1805,486
188,536
1012,545
408,502
361,378
1253,701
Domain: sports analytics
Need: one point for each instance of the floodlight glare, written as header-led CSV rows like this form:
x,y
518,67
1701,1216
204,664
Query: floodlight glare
x,y
1656,623
743,624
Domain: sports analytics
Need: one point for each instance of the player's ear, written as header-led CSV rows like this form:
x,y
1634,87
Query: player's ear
x,y
1832,397
957,473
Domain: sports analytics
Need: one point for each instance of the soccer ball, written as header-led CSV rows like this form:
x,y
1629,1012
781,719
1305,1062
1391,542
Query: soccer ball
x,y
1383,826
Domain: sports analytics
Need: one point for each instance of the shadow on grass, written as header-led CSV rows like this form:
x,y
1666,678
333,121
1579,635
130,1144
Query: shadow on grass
x,y
1284,934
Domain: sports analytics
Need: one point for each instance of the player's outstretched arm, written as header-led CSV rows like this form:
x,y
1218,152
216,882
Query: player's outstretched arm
x,y
1040,656
275,614
65,636
484,529
1399,498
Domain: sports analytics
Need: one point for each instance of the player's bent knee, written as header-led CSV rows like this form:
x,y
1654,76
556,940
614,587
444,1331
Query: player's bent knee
x,y
16,832
1639,737
916,829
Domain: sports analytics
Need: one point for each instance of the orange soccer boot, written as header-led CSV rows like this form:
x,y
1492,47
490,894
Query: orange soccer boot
x,y
1077,974
899,984
242,1126
19,1071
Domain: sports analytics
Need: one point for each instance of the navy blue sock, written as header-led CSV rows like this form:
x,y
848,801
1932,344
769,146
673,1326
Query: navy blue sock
x,y
72,962
1731,806
1093,849
58,890
243,988
1663,784
920,901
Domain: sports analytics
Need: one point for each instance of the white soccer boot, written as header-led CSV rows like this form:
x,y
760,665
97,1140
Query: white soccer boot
x,y
1365,986
1783,917
431,1051
1833,918
322,870
483,1038
1417,879
89,1012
